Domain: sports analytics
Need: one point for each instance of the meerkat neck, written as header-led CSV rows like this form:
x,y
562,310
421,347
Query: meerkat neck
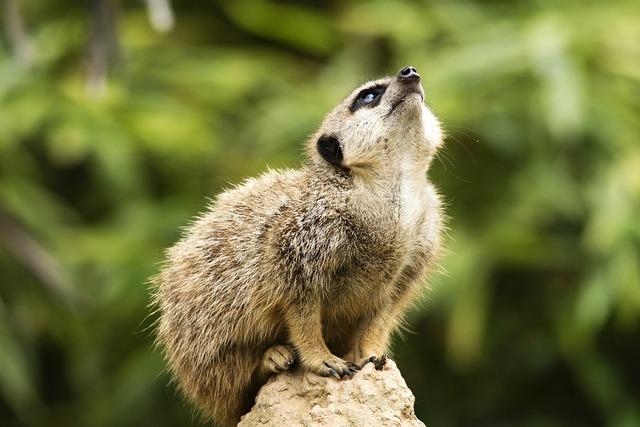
x,y
376,189
329,175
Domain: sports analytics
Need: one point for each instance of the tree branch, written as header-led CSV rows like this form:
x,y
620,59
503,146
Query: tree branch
x,y
104,48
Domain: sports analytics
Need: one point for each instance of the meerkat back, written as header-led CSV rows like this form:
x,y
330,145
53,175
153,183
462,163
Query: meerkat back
x,y
311,267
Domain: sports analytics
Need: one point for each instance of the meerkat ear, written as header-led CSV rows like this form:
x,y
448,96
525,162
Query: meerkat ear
x,y
329,148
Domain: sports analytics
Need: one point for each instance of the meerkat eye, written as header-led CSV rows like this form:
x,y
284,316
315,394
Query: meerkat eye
x,y
369,97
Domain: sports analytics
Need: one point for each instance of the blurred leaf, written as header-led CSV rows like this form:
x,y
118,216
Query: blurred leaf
x,y
301,27
16,376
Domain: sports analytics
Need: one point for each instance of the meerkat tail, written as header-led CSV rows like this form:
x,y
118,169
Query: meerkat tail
x,y
226,390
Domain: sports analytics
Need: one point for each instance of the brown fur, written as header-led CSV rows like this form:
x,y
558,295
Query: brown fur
x,y
316,264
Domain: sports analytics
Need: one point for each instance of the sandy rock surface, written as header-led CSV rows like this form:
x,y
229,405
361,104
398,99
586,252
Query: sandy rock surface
x,y
370,398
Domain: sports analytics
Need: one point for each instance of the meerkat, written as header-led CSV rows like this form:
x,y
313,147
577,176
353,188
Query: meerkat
x,y
313,267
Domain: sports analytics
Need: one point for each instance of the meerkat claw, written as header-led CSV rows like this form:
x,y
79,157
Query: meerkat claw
x,y
365,361
339,369
278,358
348,372
379,363
350,369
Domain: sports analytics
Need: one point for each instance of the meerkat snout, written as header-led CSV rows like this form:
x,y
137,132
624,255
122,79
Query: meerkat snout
x,y
310,268
408,74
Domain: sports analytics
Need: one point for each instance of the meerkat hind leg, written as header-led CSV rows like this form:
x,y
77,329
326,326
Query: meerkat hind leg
x,y
277,358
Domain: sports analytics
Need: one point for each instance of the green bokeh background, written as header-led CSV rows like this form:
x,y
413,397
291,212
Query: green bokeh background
x,y
536,318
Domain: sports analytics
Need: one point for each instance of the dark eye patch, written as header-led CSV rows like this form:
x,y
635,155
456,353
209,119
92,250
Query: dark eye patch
x,y
369,97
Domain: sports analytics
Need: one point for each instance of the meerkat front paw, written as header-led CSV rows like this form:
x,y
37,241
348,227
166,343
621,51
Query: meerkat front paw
x,y
378,362
334,367
278,358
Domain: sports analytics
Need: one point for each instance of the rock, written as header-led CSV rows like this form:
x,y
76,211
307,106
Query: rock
x,y
370,398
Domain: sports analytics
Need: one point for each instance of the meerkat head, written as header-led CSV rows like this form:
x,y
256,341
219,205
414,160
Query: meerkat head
x,y
377,125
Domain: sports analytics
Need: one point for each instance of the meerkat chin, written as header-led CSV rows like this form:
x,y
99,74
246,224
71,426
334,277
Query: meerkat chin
x,y
312,267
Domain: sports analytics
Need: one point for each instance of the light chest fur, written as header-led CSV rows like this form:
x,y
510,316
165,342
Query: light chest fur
x,y
413,195
402,212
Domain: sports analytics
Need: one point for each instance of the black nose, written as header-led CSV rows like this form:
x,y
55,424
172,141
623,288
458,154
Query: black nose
x,y
408,74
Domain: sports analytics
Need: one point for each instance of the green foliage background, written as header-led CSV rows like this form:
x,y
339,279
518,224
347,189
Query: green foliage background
x,y
537,319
